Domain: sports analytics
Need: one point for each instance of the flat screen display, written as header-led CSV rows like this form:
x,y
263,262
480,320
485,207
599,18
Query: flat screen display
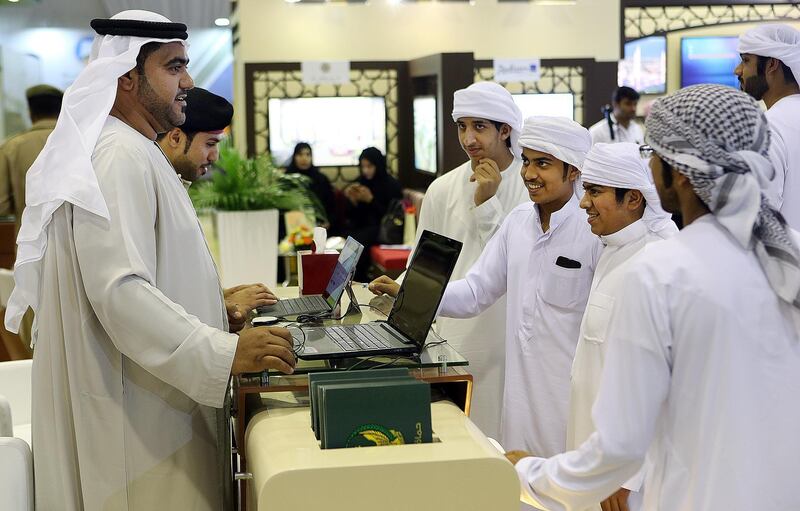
x,y
709,60
343,271
553,105
338,128
425,133
422,290
644,67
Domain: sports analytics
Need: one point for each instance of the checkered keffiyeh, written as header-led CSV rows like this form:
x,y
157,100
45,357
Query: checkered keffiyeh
x,y
718,138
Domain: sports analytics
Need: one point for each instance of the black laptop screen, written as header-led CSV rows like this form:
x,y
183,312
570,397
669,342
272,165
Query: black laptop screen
x,y
424,284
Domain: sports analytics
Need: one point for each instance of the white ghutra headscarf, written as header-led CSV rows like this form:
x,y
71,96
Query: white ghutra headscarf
x,y
63,171
718,137
490,101
620,166
560,137
777,41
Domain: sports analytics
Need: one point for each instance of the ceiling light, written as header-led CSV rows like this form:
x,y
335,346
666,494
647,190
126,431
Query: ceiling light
x,y
222,22
13,1
292,1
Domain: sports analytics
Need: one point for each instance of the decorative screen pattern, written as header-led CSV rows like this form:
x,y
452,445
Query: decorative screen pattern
x,y
646,21
553,80
282,83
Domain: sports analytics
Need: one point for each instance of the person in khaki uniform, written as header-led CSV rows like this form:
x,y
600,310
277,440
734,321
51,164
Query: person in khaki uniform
x,y
16,157
19,152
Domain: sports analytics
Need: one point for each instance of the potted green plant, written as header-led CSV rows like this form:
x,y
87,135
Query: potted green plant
x,y
239,211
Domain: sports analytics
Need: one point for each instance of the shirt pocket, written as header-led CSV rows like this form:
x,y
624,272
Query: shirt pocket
x,y
598,312
566,288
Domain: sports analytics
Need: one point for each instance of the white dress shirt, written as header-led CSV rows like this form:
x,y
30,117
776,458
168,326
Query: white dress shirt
x,y
702,369
600,132
545,303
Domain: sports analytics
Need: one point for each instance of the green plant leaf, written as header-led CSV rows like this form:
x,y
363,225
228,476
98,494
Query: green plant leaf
x,y
253,184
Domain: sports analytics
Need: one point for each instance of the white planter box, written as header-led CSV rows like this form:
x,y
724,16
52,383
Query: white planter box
x,y
244,245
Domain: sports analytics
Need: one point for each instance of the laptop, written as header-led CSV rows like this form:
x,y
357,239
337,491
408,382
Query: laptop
x,y
326,302
413,312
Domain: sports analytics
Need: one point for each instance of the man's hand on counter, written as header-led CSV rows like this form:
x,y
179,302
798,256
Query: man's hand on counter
x,y
263,348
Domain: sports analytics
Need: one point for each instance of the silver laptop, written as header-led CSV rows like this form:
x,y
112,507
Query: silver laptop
x,y
414,310
326,302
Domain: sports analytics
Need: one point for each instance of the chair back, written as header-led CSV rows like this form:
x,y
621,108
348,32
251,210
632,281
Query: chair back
x,y
15,386
16,475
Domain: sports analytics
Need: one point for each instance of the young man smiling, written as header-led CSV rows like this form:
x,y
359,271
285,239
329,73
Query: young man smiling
x,y
624,210
543,257
468,204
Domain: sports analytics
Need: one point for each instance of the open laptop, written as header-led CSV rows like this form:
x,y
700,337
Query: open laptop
x,y
326,302
414,310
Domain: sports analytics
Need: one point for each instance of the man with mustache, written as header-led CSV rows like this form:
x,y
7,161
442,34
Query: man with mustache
x,y
191,148
542,260
132,354
769,71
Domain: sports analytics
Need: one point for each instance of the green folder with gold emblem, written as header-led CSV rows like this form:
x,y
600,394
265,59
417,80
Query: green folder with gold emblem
x,y
315,379
372,413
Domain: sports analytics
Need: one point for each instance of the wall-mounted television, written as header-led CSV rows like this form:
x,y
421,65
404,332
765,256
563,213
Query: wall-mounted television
x,y
556,105
425,133
338,128
644,67
709,60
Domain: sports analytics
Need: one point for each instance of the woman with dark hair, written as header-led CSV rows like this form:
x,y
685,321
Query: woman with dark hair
x,y
368,200
302,163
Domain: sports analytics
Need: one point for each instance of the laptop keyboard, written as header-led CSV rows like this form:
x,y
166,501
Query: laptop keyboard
x,y
303,304
367,336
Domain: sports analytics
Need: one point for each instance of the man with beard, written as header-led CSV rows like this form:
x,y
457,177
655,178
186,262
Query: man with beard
x,y
769,71
132,355
191,148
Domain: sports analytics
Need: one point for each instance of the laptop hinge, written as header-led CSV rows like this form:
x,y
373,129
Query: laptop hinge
x,y
352,307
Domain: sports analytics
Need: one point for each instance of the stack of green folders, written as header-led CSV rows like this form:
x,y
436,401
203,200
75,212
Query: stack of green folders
x,y
369,408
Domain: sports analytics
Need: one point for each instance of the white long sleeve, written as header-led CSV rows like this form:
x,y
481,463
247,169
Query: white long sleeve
x,y
488,217
483,285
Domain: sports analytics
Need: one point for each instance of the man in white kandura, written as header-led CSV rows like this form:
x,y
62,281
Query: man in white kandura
x,y
468,204
769,71
542,259
192,148
702,371
132,356
619,124
624,210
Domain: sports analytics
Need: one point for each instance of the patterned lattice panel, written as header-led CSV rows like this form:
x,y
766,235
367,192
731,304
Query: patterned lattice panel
x,y
646,21
382,83
553,80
